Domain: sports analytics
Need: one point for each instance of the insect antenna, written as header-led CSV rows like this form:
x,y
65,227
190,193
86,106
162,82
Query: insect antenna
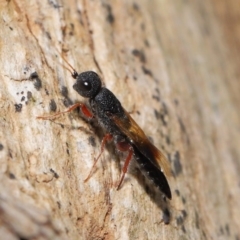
x,y
71,69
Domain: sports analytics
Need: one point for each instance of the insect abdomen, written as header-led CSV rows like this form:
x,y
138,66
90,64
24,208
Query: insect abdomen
x,y
153,173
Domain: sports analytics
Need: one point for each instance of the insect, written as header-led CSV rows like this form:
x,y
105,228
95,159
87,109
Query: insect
x,y
121,129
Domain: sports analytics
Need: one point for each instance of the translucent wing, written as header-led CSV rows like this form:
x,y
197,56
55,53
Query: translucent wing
x,y
136,135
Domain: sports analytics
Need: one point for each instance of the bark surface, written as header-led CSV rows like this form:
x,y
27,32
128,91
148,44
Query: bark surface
x,y
175,64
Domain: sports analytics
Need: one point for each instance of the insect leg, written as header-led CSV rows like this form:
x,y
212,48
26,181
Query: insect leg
x,y
123,146
86,112
108,137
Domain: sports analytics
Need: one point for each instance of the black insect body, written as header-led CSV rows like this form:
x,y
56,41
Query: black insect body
x,y
120,126
122,129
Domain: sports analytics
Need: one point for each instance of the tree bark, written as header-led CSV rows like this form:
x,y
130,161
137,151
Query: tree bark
x,y
174,64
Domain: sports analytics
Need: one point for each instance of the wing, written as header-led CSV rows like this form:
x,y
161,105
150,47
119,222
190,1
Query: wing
x,y
136,135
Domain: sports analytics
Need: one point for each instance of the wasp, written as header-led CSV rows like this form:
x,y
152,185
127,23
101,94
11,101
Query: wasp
x,y
120,128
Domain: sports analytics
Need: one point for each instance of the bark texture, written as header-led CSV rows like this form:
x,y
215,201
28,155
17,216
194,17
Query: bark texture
x,y
174,63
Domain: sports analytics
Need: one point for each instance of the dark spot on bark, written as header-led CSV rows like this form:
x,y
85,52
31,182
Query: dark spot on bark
x,y
29,95
146,43
179,220
67,148
67,102
22,92
182,126
160,116
71,33
54,4
147,71
37,83
183,229
64,91
177,192
18,107
1,147
64,30
11,176
221,230
92,141
227,229
48,35
176,102
54,173
164,108
11,28
168,141
162,113
166,216
10,153
46,91
135,6
184,214
22,99
53,105
110,17
157,114
139,54
183,200
33,75
176,163
59,204
157,98
183,129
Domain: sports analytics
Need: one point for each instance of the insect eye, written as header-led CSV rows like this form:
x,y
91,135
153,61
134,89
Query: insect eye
x,y
88,84
85,86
